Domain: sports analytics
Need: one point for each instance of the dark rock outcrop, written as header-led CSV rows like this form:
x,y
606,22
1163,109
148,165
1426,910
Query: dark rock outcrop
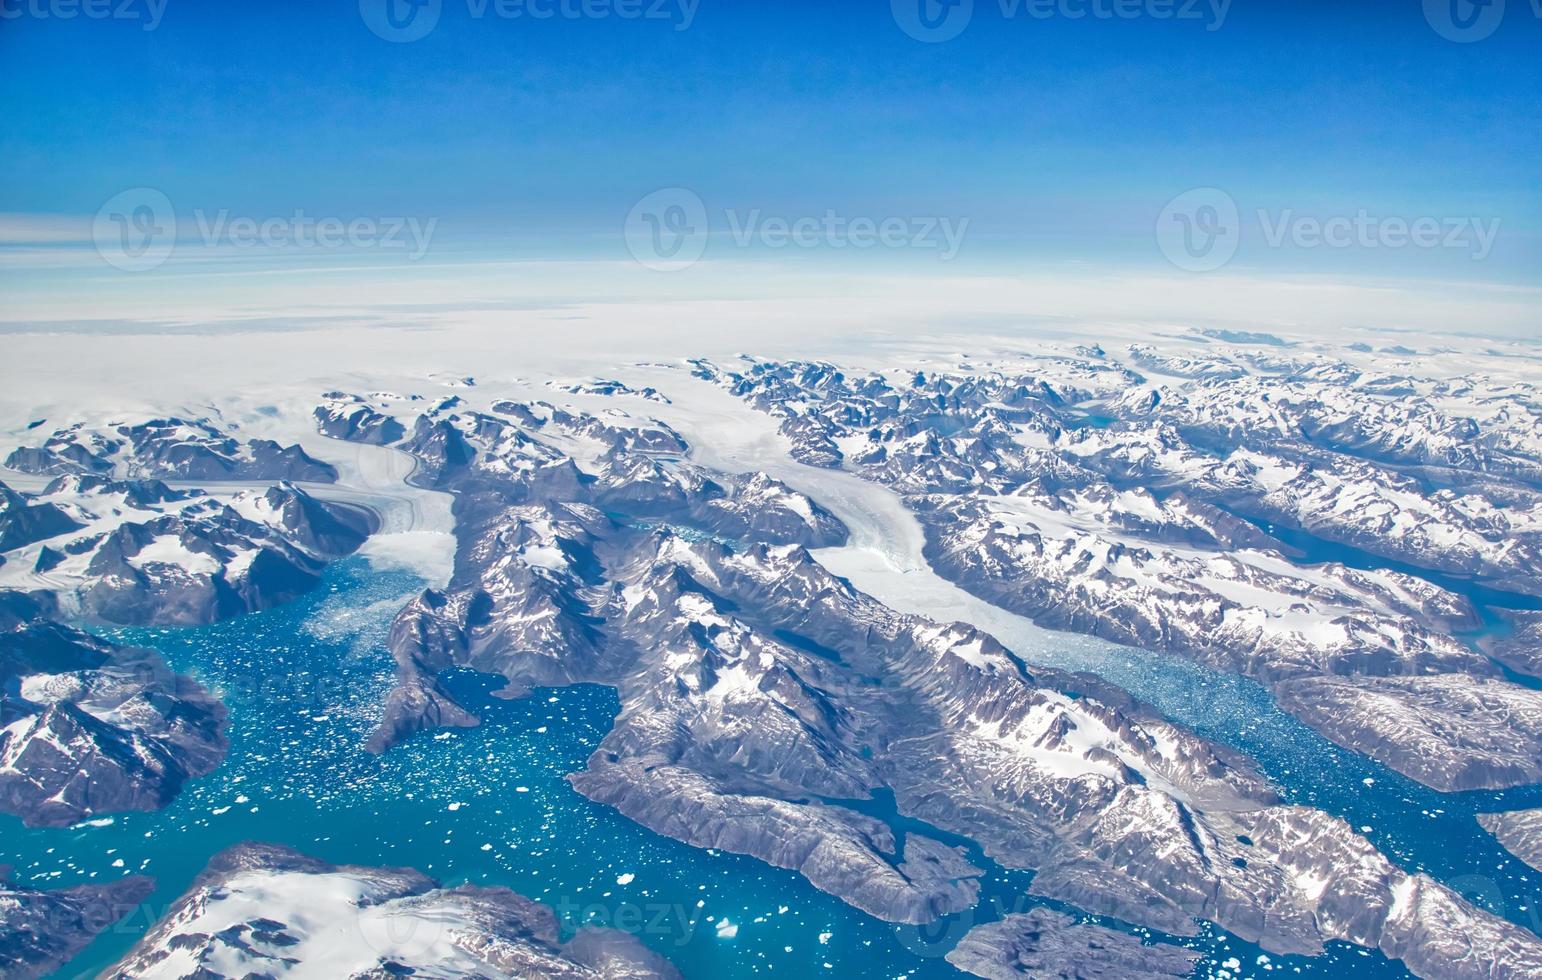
x,y
352,419
90,727
22,523
1046,945
40,931
1520,831
1521,649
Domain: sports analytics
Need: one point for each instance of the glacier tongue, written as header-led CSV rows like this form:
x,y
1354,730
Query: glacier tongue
x,y
759,691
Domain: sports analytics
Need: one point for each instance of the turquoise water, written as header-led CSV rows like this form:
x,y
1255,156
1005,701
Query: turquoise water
x,y
490,806
1417,827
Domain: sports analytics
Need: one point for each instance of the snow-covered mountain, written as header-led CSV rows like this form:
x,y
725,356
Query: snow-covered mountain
x,y
354,419
90,727
1045,943
40,931
759,692
1520,648
259,910
141,553
1520,831
167,449
1170,512
1340,532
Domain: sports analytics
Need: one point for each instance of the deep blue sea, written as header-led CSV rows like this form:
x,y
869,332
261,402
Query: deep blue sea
x,y
491,806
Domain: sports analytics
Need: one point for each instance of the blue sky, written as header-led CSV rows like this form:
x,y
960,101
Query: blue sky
x,y
1058,139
